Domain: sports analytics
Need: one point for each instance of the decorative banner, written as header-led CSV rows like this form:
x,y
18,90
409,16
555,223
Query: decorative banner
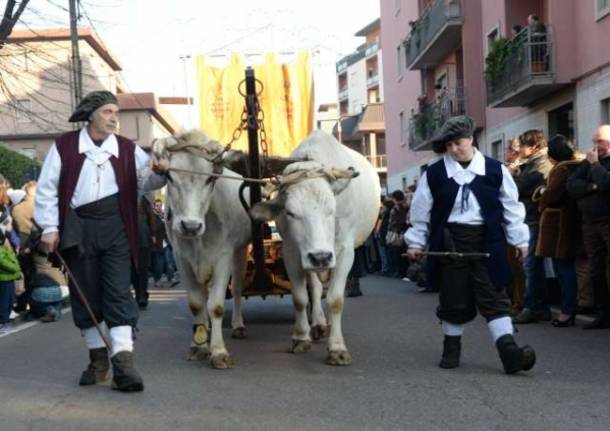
x,y
286,100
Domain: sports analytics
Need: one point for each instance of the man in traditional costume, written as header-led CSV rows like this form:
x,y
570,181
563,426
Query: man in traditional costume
x,y
86,204
468,203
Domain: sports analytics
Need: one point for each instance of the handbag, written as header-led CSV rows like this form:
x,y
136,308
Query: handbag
x,y
394,239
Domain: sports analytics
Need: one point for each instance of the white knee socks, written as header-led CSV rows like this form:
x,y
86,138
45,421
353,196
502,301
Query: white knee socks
x,y
121,338
93,340
452,330
500,327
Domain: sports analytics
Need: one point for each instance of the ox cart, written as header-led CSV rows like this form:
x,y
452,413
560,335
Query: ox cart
x,y
265,271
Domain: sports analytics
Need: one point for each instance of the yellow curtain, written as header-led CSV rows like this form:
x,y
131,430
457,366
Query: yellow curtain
x,y
286,100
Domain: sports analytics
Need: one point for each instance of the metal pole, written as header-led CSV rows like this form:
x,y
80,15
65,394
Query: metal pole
x,y
76,63
184,58
255,171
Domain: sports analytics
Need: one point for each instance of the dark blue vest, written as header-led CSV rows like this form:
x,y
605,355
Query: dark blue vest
x,y
486,189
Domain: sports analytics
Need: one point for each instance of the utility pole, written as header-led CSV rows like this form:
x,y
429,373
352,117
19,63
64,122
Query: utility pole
x,y
76,63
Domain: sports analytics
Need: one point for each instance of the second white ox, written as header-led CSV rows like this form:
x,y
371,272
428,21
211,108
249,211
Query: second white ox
x,y
209,230
323,214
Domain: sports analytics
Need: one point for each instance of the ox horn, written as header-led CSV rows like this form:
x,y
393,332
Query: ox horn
x,y
160,153
348,173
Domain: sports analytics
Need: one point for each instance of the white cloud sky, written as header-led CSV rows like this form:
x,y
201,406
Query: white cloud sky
x,y
149,36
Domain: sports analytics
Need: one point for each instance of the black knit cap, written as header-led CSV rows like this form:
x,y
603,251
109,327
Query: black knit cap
x,y
560,148
454,128
90,103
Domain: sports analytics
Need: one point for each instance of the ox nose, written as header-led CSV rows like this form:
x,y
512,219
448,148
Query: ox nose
x,y
320,259
191,227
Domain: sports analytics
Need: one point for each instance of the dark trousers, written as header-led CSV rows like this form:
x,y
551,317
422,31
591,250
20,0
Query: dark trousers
x,y
359,265
566,275
465,284
139,277
536,298
103,273
596,237
25,262
7,297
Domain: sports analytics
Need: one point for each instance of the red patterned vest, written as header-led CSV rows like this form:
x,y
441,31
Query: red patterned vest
x,y
124,170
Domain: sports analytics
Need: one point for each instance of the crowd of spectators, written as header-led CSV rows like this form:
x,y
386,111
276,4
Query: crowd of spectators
x,y
35,286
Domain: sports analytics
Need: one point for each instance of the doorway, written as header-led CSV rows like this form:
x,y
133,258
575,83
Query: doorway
x,y
561,121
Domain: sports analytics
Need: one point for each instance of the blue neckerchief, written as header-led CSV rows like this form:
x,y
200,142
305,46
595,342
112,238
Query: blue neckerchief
x,y
465,205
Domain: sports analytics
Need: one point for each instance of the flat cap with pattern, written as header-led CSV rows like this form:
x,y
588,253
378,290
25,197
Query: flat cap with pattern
x,y
454,128
90,103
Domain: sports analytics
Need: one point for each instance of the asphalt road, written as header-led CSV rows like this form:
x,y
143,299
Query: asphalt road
x,y
394,383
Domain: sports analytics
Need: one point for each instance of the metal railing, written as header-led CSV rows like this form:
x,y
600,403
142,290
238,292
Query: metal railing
x,y
379,161
343,93
520,60
425,29
371,49
372,80
424,124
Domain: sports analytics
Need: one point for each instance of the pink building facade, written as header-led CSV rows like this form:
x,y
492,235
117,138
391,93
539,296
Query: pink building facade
x,y
571,95
435,55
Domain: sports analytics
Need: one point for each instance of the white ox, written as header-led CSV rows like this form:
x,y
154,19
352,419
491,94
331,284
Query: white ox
x,y
210,231
322,218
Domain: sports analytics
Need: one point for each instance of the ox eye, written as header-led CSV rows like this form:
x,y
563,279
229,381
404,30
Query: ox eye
x,y
291,214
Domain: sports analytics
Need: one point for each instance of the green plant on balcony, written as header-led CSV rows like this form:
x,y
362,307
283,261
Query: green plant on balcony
x,y
495,61
503,53
424,125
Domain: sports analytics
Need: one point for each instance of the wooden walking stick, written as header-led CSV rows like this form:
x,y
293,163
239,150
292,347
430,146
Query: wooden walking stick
x,y
82,297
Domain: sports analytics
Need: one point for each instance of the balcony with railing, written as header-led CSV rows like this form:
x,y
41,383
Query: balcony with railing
x,y
521,70
424,124
379,162
343,93
372,49
372,81
435,34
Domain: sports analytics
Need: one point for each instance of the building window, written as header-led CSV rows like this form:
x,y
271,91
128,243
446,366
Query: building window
x,y
403,134
605,111
602,9
496,150
23,110
399,63
397,7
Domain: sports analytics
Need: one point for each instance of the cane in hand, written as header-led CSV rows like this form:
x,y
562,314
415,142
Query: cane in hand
x,y
82,297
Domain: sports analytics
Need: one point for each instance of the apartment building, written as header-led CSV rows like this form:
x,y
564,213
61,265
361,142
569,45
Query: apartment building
x,y
360,99
455,57
436,74
558,81
36,97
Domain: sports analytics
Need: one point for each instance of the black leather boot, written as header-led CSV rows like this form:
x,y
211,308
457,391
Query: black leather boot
x,y
452,347
353,288
97,370
602,321
125,377
515,358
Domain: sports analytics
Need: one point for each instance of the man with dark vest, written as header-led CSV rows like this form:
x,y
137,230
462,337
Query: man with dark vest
x,y
468,203
86,204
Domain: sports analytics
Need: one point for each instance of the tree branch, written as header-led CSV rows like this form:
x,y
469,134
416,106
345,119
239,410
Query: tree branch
x,y
9,19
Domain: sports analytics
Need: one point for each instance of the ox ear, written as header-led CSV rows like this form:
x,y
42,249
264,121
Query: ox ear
x,y
343,178
268,210
160,154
